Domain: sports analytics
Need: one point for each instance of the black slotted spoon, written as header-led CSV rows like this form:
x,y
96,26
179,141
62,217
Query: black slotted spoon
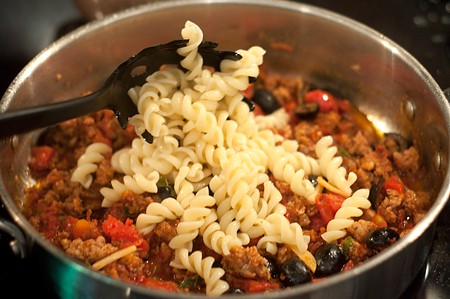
x,y
114,92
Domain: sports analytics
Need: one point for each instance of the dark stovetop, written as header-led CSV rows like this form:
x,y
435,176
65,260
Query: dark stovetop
x,y
420,26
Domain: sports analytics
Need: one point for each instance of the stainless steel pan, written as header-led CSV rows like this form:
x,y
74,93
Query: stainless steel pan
x,y
386,82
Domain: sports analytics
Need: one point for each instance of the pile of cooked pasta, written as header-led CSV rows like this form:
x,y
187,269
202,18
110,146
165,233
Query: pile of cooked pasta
x,y
205,135
226,165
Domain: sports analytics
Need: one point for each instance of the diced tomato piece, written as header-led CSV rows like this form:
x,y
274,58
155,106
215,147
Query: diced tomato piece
x,y
248,93
124,234
41,157
157,284
256,286
326,101
328,204
394,183
258,110
325,211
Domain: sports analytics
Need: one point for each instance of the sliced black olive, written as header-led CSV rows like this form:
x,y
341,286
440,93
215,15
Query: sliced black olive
x,y
251,79
313,179
266,100
217,264
250,103
164,192
294,272
402,142
376,193
147,137
307,110
330,259
210,192
381,238
272,266
165,189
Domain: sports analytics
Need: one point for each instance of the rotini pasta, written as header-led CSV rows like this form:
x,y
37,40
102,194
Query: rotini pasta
x,y
193,218
219,240
204,268
278,229
351,207
138,183
156,212
87,163
287,166
330,166
193,61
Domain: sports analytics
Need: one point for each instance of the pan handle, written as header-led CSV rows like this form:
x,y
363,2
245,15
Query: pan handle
x,y
19,244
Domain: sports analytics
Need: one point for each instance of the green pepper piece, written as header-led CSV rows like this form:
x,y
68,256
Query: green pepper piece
x,y
189,282
347,246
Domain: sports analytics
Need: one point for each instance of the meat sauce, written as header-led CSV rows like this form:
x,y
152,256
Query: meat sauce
x,y
72,218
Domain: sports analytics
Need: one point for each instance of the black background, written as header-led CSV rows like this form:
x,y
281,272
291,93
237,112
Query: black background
x,y
422,27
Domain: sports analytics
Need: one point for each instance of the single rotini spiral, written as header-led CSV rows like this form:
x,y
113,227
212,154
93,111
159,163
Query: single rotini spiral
x,y
88,163
183,187
279,230
156,212
269,203
195,263
236,73
126,161
192,61
240,112
169,138
193,218
286,166
232,138
330,166
138,183
351,207
121,161
219,240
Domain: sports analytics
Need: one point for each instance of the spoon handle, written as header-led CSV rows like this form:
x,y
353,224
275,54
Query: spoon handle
x,y
28,119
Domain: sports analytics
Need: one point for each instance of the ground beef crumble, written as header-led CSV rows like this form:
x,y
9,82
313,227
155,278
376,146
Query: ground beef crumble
x,y
246,262
90,250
